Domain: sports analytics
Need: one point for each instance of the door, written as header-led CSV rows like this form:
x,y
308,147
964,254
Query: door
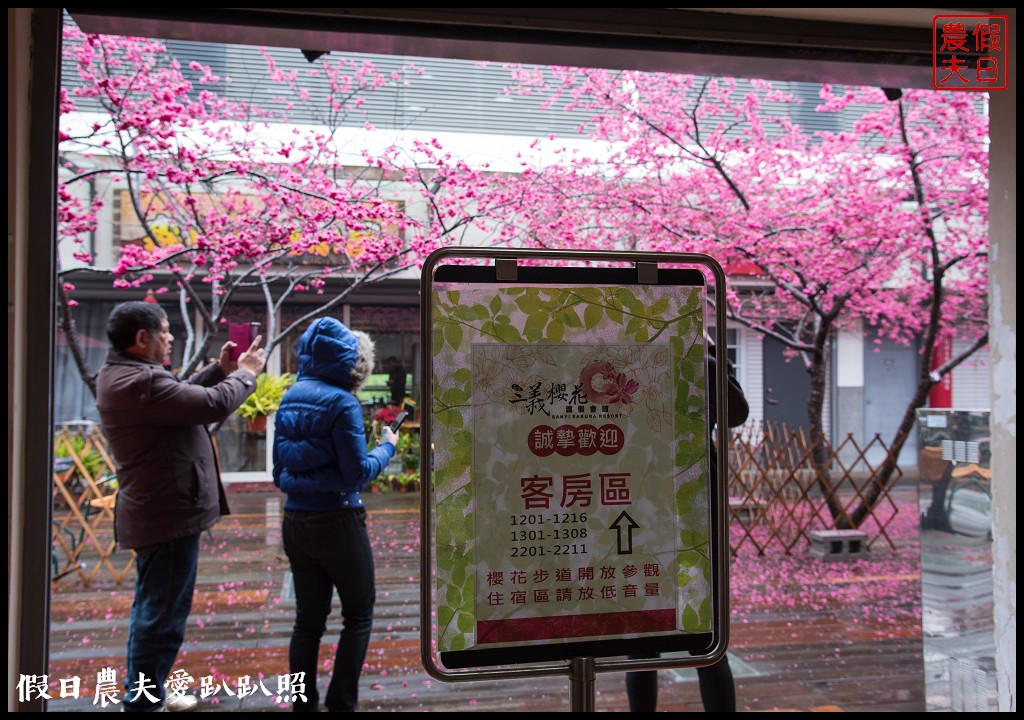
x,y
890,378
786,387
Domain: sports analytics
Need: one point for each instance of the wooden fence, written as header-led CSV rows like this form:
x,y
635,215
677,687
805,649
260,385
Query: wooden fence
x,y
777,495
84,491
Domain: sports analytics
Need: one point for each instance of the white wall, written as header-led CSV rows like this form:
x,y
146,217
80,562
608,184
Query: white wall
x,y
972,380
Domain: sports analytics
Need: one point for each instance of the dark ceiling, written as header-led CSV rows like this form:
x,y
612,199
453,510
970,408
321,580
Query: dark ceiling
x,y
663,39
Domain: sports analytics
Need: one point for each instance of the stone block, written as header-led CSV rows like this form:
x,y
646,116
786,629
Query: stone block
x,y
839,544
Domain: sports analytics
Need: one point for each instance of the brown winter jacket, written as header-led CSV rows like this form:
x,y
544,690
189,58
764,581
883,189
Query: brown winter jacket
x,y
167,472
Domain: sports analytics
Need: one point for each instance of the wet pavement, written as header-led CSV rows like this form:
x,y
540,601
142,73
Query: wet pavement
x,y
807,634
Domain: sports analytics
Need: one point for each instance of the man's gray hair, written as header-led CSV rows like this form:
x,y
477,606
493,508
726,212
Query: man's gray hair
x,y
365,362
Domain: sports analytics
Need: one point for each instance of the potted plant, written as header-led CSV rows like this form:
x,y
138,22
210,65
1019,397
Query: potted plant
x,y
411,453
411,479
379,484
264,399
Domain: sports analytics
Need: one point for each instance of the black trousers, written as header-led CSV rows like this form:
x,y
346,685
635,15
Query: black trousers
x,y
717,689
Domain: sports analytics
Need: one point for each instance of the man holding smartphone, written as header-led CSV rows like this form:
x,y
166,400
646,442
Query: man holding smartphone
x,y
169,488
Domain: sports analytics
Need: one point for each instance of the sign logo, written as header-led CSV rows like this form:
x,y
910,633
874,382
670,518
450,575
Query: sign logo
x,y
970,52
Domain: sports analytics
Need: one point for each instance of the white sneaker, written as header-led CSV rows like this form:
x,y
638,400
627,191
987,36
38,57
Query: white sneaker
x,y
180,703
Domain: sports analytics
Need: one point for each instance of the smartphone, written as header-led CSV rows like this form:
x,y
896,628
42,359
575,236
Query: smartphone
x,y
242,335
400,418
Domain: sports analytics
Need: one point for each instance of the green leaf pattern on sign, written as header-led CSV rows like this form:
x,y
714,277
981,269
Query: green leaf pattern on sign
x,y
540,315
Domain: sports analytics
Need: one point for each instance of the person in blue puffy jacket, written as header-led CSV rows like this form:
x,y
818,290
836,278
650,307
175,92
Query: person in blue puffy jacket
x,y
322,463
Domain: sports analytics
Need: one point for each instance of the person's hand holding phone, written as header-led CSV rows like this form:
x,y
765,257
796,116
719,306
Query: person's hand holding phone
x,y
241,336
250,359
387,434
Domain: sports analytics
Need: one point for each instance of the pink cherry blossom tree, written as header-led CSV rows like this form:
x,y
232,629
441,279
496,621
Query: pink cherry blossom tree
x,y
227,196
882,226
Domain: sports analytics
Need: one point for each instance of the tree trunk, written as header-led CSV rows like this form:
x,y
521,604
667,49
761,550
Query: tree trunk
x,y
67,326
886,474
820,455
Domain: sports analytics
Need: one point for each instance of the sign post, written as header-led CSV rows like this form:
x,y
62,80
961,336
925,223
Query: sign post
x,y
570,515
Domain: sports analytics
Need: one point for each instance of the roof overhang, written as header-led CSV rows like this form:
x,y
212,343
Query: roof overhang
x,y
872,46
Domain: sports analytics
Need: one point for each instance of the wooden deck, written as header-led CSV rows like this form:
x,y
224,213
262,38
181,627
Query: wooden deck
x,y
807,635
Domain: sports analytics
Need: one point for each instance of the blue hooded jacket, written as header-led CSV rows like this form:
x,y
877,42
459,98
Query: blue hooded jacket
x,y
320,455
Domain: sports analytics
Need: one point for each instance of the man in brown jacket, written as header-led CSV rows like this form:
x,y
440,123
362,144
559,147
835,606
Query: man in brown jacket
x,y
168,479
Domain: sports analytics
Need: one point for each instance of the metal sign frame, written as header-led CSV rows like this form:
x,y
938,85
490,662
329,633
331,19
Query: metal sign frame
x,y
577,659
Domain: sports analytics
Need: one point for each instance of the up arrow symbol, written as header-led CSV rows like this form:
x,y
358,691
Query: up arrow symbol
x,y
624,526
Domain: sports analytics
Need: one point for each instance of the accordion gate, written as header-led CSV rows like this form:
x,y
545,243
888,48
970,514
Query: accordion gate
x,y
777,495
